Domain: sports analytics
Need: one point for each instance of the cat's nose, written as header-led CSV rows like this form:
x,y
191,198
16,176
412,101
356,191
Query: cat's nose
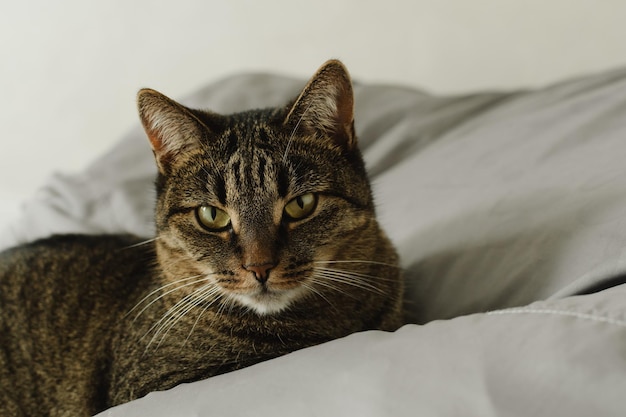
x,y
261,272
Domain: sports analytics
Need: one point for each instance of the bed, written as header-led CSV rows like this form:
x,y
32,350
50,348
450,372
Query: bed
x,y
509,212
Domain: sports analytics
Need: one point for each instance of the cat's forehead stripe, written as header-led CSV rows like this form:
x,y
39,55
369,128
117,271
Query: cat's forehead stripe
x,y
232,142
251,173
220,189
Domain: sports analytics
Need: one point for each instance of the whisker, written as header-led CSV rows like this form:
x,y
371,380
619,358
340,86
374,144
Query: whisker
x,y
163,320
328,285
231,305
178,316
318,293
164,294
178,311
293,133
201,313
355,283
176,307
357,274
365,262
184,306
222,307
347,278
145,242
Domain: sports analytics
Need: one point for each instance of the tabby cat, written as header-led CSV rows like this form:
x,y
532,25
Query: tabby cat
x,y
266,243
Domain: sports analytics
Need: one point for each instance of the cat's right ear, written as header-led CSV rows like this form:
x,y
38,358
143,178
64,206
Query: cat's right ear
x,y
171,128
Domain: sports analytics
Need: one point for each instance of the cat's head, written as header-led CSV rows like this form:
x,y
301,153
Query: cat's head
x,y
259,208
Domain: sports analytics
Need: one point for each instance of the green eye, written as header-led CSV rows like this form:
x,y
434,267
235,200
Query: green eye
x,y
301,206
212,218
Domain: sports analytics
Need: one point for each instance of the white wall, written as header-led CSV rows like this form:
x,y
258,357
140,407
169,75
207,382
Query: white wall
x,y
70,68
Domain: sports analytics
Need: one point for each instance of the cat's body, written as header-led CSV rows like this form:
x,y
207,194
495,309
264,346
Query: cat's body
x,y
266,242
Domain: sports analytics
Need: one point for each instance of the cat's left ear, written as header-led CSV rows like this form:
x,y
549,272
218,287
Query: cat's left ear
x,y
171,127
326,106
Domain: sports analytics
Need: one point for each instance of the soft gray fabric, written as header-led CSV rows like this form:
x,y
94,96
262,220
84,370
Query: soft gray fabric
x,y
494,200
560,358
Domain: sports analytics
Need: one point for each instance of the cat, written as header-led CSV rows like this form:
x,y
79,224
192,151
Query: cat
x,y
267,242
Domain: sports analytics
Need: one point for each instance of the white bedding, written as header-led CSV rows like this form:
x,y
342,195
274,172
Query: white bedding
x,y
504,207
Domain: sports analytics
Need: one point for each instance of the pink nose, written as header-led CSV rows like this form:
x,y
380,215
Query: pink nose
x,y
261,272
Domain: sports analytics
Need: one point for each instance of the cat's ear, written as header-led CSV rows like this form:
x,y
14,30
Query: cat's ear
x,y
171,128
326,106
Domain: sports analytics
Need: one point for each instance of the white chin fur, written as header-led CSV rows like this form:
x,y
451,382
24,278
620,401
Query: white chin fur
x,y
267,303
